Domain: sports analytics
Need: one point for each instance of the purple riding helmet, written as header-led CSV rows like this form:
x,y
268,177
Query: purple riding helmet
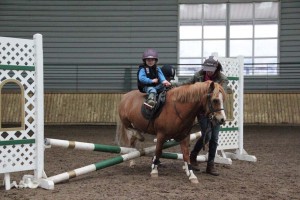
x,y
150,53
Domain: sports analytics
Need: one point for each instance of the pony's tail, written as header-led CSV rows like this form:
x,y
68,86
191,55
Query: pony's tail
x,y
121,134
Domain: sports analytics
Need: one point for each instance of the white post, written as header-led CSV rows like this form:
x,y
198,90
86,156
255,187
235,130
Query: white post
x,y
7,181
241,104
39,102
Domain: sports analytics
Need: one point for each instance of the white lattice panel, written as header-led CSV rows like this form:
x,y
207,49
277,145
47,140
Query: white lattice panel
x,y
16,51
17,158
19,52
230,139
231,66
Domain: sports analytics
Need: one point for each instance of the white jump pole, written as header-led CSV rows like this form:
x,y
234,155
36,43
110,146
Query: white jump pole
x,y
87,146
108,162
97,147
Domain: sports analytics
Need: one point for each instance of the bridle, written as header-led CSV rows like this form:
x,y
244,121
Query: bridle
x,y
212,111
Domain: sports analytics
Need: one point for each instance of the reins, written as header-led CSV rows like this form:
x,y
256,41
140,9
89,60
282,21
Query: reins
x,y
210,117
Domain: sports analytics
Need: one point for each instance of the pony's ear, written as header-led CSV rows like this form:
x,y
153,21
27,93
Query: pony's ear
x,y
211,87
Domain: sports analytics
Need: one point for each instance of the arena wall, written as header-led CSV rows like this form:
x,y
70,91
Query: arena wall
x,y
101,108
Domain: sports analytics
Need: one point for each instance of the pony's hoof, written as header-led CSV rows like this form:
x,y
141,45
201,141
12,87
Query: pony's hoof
x,y
154,175
154,172
194,181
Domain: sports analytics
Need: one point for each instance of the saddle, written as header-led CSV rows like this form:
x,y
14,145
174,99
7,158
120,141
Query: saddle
x,y
156,110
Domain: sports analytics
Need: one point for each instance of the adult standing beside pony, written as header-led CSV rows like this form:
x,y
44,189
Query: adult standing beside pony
x,y
210,131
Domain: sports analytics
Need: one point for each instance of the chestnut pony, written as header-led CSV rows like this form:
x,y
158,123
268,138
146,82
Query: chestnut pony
x,y
175,120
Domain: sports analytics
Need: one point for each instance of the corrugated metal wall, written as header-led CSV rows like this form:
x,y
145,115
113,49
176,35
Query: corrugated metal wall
x,y
290,31
97,45
93,45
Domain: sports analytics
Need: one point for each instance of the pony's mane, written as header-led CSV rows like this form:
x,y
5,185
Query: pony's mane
x,y
194,92
190,93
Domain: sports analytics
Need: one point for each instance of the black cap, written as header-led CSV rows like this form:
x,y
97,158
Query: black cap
x,y
169,71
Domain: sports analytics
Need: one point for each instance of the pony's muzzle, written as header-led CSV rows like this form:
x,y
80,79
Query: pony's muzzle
x,y
220,121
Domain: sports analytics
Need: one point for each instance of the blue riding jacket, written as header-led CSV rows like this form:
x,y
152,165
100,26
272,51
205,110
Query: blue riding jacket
x,y
146,74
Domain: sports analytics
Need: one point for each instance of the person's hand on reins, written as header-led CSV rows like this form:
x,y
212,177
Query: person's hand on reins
x,y
166,83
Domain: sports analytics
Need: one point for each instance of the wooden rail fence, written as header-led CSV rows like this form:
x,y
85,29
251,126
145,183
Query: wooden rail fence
x,y
101,108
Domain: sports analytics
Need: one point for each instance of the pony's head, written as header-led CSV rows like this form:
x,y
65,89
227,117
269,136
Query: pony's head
x,y
215,103
210,95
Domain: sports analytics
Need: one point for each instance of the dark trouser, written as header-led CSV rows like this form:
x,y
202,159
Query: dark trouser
x,y
209,134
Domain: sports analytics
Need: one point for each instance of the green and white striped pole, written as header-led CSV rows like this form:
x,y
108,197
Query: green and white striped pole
x,y
87,146
179,156
105,163
108,162
104,148
93,167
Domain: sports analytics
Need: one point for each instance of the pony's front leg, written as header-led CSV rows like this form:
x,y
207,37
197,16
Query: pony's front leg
x,y
155,161
154,166
184,145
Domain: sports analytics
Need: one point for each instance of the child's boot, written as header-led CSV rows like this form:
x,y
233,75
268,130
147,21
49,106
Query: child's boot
x,y
150,102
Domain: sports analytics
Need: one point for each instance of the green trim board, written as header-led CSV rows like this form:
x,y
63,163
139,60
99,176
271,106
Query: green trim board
x,y
14,142
230,129
232,78
17,67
